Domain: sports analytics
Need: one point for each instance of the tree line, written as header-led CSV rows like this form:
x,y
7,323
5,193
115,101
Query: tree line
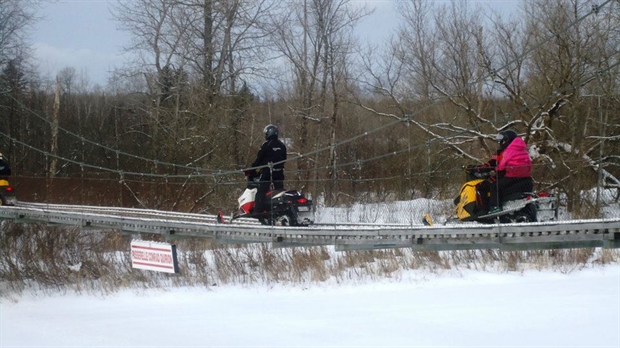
x,y
176,125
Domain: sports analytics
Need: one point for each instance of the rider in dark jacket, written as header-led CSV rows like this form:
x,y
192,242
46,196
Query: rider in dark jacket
x,y
5,170
272,155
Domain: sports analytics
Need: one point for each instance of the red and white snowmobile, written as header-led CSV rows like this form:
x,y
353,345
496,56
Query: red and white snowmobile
x,y
284,208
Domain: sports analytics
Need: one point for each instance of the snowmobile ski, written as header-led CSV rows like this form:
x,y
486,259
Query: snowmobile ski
x,y
426,220
220,218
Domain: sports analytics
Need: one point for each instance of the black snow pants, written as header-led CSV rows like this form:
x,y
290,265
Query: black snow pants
x,y
265,185
504,187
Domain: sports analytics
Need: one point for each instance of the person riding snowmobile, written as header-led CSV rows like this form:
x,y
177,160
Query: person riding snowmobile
x,y
5,170
510,169
272,155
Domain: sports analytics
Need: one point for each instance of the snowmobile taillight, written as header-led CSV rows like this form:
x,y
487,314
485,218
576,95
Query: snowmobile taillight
x,y
9,189
543,194
302,201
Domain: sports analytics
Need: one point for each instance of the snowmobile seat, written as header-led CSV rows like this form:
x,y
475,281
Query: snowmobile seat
x,y
275,194
517,195
518,190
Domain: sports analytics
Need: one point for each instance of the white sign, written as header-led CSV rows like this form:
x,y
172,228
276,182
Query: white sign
x,y
154,256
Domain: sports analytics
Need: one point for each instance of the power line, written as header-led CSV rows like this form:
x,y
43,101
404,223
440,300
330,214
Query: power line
x,y
198,171
118,152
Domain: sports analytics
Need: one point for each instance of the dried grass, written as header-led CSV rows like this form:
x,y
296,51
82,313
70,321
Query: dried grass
x,y
69,259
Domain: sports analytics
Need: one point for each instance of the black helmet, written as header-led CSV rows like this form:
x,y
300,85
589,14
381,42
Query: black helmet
x,y
504,138
271,131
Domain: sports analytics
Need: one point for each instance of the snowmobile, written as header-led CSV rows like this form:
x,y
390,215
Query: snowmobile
x,y
519,207
284,208
7,193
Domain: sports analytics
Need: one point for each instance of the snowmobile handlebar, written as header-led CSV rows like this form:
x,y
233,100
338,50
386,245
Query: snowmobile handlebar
x,y
478,172
251,173
252,178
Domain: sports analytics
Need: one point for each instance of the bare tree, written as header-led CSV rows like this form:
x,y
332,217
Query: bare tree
x,y
212,40
16,19
526,75
577,62
195,55
234,44
316,39
437,57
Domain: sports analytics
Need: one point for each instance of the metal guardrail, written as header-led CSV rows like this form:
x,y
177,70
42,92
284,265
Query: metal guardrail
x,y
548,235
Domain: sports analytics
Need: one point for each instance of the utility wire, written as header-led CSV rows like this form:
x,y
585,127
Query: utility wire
x,y
538,102
83,139
215,172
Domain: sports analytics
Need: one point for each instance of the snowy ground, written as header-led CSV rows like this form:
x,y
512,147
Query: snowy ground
x,y
416,309
453,309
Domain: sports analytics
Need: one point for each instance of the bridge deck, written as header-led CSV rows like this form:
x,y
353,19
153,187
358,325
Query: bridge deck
x,y
548,235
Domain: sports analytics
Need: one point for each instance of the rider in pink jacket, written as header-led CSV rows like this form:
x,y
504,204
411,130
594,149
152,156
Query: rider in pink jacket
x,y
514,168
515,161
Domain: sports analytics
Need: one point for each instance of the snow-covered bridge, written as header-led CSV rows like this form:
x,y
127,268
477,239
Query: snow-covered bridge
x,y
545,235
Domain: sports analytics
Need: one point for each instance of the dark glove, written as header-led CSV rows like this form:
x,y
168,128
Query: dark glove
x,y
470,168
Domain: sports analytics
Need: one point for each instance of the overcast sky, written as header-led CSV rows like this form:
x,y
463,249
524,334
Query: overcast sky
x,y
79,34
82,34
